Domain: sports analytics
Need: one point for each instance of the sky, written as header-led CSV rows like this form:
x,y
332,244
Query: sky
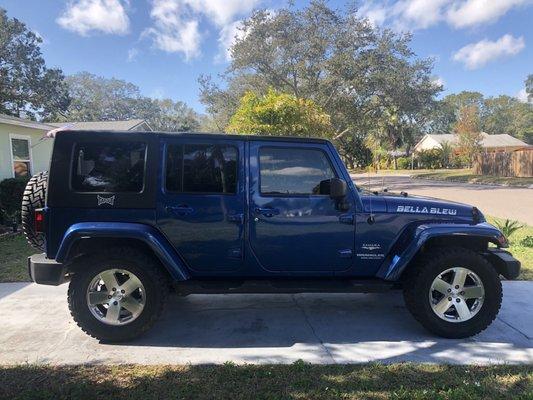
x,y
163,46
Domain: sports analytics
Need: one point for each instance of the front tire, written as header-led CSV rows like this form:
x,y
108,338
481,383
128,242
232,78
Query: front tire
x,y
117,296
453,292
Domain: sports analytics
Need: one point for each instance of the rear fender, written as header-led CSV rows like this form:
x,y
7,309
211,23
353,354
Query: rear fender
x,y
118,230
395,264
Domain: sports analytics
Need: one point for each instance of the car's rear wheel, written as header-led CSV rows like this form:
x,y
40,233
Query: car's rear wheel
x,y
117,296
453,292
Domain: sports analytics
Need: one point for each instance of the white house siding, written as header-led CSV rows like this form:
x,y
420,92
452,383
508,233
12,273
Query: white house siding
x,y
40,151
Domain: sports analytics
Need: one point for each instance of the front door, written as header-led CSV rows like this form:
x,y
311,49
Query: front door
x,y
201,210
294,226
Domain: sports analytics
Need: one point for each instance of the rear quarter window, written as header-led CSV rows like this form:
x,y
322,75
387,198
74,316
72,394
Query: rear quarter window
x,y
109,167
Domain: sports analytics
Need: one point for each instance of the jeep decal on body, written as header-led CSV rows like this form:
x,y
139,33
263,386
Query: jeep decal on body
x,y
427,210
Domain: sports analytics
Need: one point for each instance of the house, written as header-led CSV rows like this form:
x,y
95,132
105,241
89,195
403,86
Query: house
x,y
490,143
24,150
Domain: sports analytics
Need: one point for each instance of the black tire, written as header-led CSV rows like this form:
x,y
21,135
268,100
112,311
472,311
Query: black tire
x,y
143,266
418,283
34,197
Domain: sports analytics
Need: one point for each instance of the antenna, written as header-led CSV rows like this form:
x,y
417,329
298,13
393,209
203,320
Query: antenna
x,y
371,217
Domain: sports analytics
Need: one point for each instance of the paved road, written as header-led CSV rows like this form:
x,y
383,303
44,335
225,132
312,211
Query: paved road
x,y
335,328
498,201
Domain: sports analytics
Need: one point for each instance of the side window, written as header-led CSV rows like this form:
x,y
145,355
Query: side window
x,y
113,167
201,168
20,153
285,171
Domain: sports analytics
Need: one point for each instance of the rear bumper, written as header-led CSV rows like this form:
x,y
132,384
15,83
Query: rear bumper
x,y
505,263
45,271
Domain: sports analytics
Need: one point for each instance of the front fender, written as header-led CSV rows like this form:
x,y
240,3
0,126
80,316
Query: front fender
x,y
395,264
120,230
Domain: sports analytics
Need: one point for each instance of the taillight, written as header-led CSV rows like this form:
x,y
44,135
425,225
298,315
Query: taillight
x,y
38,221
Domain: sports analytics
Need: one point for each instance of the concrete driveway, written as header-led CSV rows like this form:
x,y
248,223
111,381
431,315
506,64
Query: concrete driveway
x,y
334,328
498,201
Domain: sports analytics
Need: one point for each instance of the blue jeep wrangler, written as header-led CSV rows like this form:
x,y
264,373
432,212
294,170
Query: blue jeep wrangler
x,y
126,216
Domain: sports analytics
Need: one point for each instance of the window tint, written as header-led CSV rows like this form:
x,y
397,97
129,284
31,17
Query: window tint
x,y
294,171
201,168
109,167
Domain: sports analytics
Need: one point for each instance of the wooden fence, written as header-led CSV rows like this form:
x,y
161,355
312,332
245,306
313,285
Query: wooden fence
x,y
517,163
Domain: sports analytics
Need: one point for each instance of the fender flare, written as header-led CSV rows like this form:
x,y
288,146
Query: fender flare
x,y
121,230
394,265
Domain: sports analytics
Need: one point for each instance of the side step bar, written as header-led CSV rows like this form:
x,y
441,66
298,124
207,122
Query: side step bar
x,y
185,288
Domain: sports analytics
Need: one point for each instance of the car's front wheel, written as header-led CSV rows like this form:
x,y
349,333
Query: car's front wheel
x,y
117,296
454,292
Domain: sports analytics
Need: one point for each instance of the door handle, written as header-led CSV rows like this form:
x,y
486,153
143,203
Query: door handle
x,y
346,219
267,211
180,210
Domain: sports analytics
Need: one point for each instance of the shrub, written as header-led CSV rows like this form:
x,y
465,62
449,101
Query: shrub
x,y
527,241
404,162
508,227
430,159
11,191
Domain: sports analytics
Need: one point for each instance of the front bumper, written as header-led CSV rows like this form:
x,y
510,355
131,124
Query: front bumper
x,y
45,271
504,262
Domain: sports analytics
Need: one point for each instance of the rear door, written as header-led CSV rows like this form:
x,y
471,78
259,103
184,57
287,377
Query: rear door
x,y
293,226
201,210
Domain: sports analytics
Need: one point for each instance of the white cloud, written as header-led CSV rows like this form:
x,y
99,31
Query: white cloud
x,y
522,95
132,54
469,13
176,23
418,14
87,16
421,14
475,55
229,34
438,81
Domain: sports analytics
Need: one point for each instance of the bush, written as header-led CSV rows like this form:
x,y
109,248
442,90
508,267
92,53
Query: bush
x,y
508,227
527,241
404,162
11,191
430,159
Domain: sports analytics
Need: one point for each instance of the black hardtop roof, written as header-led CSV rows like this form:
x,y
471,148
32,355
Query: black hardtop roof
x,y
204,136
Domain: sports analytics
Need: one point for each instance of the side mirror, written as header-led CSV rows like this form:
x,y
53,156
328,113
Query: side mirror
x,y
337,188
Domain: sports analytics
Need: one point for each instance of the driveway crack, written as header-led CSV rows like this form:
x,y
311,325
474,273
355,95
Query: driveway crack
x,y
515,329
313,329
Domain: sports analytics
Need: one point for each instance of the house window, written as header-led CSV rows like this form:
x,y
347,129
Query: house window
x,y
21,156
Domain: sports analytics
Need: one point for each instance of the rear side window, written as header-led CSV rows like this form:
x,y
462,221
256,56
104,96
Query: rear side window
x,y
200,168
293,171
109,167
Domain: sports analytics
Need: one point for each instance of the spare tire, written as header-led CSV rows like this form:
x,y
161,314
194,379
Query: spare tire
x,y
34,197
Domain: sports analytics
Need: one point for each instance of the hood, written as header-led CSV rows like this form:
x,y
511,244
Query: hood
x,y
407,204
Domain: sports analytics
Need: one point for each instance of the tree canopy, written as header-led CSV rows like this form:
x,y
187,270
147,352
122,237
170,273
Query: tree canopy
x,y
358,74
95,98
278,113
27,87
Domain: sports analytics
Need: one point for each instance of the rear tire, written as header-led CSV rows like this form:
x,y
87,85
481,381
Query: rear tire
x,y
34,197
130,264
422,299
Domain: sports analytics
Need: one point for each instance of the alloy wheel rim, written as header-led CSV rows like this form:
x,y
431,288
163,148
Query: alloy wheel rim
x,y
456,294
116,297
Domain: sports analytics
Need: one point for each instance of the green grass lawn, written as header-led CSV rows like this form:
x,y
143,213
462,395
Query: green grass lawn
x,y
295,381
466,175
14,251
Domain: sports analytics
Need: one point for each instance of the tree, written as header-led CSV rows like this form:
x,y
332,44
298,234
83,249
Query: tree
x,y
352,70
27,87
529,87
468,131
278,113
95,98
505,114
